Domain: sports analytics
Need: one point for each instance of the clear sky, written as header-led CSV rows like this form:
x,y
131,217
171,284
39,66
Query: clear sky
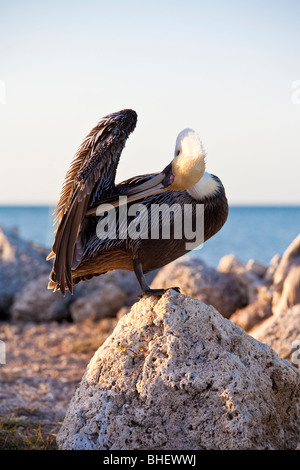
x,y
224,68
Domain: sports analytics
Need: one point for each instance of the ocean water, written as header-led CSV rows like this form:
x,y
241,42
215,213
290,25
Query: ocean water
x,y
249,233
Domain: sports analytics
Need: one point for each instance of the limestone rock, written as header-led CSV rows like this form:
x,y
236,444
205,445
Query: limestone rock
x,y
125,280
282,333
247,281
104,301
287,279
123,311
258,269
104,295
289,295
290,257
202,282
128,282
200,382
249,316
20,262
231,264
274,263
36,303
256,312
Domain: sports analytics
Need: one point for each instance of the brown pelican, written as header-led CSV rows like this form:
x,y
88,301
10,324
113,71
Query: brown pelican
x,y
78,251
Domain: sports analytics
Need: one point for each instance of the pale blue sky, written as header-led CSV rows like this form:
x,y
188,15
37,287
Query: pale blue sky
x,y
223,68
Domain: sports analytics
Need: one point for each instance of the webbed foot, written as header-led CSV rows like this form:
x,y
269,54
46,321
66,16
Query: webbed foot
x,y
157,292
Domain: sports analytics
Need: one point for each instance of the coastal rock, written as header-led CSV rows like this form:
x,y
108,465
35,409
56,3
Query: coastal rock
x,y
197,382
105,301
258,269
97,298
256,312
249,316
124,280
289,295
20,262
274,263
248,282
287,279
282,333
123,311
103,296
36,303
128,282
205,283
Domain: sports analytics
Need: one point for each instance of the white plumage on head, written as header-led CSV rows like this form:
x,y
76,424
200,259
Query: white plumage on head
x,y
188,143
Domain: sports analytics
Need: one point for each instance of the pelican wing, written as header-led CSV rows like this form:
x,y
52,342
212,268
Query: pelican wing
x,y
90,178
133,188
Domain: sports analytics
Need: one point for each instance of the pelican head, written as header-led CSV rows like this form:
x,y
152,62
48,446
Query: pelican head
x,y
185,170
188,164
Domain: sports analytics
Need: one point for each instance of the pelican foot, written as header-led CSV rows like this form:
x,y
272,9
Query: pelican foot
x,y
157,292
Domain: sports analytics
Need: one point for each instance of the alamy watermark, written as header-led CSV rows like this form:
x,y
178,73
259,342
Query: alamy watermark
x,y
154,221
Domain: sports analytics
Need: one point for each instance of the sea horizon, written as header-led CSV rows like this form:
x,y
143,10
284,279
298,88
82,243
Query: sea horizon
x,y
251,232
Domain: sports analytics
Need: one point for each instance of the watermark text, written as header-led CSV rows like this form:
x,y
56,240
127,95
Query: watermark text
x,y
155,221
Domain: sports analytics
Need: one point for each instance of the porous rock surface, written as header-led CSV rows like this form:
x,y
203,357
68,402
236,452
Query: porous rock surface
x,y
282,333
200,382
196,279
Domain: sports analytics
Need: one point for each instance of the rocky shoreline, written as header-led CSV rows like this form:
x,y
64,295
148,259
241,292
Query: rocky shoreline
x,y
195,381
50,339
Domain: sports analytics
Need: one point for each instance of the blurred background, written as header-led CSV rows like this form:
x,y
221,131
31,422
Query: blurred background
x,y
230,70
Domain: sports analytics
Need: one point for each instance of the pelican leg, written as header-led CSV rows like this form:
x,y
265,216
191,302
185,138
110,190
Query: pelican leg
x,y
138,269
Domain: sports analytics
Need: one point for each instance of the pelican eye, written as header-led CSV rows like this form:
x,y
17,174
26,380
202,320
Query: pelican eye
x,y
177,153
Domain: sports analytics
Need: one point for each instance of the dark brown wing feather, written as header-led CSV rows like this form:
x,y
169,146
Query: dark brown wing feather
x,y
120,189
90,178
